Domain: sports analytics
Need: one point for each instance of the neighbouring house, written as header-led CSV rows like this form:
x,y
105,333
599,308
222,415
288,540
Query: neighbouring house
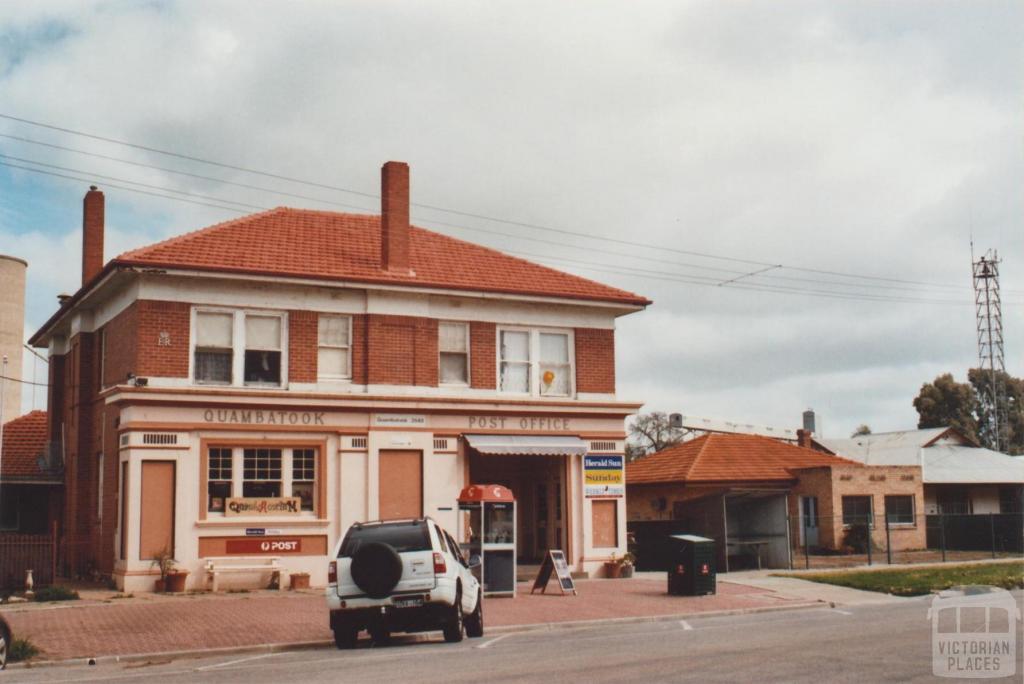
x,y
31,483
972,496
959,476
253,388
759,497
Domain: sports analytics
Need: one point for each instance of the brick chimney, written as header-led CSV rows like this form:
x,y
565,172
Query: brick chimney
x,y
394,216
803,438
92,234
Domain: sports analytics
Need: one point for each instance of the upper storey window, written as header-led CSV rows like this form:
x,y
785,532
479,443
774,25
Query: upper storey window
x,y
535,362
214,347
238,348
453,346
334,351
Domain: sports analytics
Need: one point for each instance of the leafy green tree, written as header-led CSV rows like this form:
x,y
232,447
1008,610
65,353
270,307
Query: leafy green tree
x,y
650,432
945,402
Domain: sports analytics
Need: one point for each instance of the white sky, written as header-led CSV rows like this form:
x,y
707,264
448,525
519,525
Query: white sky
x,y
868,138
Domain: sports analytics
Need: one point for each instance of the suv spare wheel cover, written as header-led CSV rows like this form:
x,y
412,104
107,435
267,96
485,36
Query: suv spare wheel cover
x,y
376,569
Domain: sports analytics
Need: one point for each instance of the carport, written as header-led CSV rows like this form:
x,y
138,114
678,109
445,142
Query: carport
x,y
749,526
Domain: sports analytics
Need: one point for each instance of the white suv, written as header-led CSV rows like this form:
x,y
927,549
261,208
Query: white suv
x,y
401,576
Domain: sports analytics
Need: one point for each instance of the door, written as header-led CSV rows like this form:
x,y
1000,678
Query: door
x,y
156,519
809,520
400,493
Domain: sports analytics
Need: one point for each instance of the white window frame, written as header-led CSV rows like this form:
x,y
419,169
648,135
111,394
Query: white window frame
x,y
913,510
465,327
871,509
327,377
535,360
238,346
238,474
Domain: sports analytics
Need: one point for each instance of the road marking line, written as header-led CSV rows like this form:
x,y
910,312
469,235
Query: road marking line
x,y
842,612
497,639
686,625
236,662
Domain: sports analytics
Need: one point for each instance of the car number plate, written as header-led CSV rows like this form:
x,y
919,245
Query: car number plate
x,y
408,602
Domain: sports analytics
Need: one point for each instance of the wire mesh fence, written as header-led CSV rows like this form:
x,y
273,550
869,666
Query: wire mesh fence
x,y
852,539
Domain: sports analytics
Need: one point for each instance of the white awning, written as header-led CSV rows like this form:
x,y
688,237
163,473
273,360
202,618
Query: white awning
x,y
522,445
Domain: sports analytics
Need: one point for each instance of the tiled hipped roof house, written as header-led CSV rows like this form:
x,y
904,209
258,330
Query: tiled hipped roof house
x,y
338,363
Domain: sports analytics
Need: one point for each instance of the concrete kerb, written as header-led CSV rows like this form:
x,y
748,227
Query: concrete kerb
x,y
259,649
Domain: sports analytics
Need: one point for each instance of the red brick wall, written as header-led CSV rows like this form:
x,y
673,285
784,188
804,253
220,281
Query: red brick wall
x,y
595,360
402,350
168,361
302,346
359,351
120,346
483,355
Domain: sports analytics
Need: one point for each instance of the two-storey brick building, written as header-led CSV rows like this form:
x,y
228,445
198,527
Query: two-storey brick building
x,y
283,375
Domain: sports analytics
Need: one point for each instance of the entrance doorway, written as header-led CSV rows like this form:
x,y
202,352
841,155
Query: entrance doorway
x,y
539,485
400,485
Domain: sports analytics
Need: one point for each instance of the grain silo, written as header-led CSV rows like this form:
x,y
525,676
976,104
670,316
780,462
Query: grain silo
x,y
12,331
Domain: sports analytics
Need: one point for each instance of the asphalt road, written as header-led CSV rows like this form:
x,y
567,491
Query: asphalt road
x,y
890,642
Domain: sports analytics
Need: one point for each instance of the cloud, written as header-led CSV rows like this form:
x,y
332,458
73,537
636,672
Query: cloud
x,y
865,137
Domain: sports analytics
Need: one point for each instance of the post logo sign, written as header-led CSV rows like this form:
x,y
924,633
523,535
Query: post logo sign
x,y
974,633
604,475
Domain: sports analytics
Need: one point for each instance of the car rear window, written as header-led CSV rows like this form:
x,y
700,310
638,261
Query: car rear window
x,y
401,537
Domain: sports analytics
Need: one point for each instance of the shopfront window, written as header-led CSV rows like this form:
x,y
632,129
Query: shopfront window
x,y
304,476
262,473
218,479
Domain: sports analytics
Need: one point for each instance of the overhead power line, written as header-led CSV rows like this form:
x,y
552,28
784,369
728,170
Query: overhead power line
x,y
630,243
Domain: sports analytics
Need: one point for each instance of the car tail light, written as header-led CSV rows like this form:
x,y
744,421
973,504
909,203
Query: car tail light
x,y
439,565
332,572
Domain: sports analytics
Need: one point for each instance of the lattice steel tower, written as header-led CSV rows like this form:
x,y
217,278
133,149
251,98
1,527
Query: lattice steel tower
x,y
990,344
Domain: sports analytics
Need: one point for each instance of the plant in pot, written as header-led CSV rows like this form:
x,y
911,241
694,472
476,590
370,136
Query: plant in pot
x,y
613,567
628,561
171,579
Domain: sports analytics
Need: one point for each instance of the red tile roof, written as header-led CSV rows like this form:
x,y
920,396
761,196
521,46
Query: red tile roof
x,y
302,243
728,458
24,440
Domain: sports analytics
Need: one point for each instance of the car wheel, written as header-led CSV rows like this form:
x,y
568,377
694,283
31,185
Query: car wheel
x,y
475,622
453,628
5,643
346,636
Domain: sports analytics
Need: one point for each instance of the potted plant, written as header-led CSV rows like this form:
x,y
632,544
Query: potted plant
x,y
628,561
300,580
613,567
171,579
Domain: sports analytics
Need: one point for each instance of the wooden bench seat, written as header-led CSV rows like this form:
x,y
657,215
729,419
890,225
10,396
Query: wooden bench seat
x,y
243,564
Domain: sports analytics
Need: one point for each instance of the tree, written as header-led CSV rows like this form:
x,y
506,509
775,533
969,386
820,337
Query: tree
x,y
945,402
862,429
650,432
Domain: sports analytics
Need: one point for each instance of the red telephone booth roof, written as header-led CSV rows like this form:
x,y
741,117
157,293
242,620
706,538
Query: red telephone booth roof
x,y
486,492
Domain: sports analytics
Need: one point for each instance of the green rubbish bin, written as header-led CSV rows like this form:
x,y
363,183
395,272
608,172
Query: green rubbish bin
x,y
691,571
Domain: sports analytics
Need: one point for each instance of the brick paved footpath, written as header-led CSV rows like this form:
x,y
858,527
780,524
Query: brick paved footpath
x,y
149,624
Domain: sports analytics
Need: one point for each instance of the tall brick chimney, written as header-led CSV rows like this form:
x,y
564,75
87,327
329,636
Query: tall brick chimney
x,y
394,216
803,438
92,234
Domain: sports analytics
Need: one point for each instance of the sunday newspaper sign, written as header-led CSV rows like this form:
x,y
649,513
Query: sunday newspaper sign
x,y
604,475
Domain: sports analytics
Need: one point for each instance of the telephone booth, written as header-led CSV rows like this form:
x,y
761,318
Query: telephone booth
x,y
488,531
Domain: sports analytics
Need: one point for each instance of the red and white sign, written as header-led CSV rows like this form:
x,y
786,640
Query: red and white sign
x,y
250,546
